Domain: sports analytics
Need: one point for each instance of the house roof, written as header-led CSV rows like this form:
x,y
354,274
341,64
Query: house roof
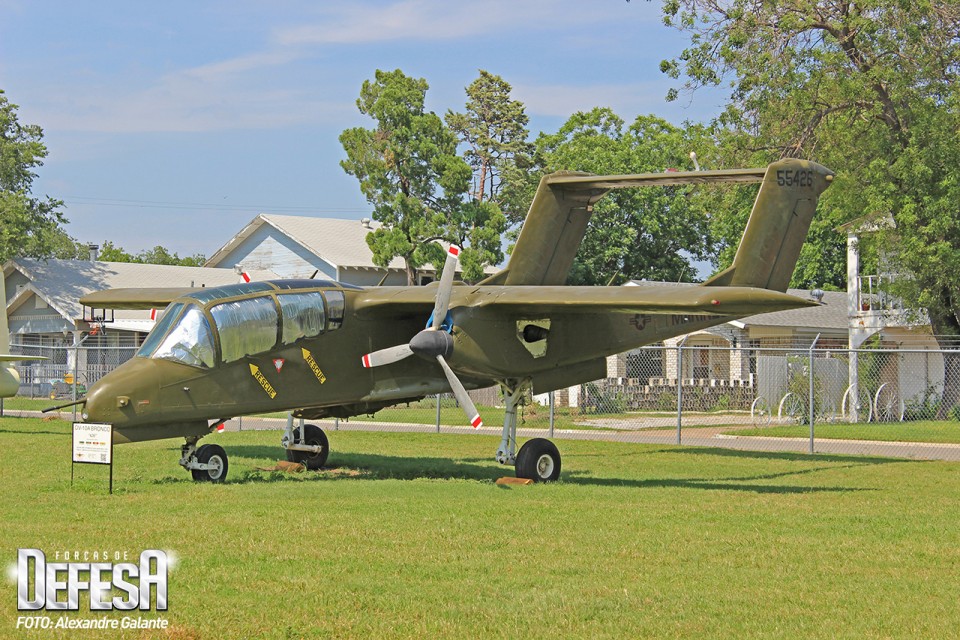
x,y
61,283
342,243
832,314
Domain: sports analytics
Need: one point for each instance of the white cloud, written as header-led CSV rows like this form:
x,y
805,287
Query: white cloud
x,y
185,102
431,20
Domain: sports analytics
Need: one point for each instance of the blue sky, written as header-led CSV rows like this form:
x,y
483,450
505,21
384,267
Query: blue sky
x,y
176,123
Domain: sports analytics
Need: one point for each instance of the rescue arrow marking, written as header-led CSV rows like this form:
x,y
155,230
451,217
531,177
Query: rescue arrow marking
x,y
255,372
308,357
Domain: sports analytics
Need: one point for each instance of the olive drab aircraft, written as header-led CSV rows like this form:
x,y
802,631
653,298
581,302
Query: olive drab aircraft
x,y
321,349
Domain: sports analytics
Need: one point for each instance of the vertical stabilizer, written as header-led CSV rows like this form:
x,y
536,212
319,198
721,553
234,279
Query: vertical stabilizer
x,y
777,227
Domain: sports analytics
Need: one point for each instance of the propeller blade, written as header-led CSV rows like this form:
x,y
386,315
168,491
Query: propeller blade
x,y
462,396
446,287
386,356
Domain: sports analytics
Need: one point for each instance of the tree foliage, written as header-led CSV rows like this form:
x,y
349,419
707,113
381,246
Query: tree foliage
x,y
633,233
410,172
110,252
29,225
866,88
494,130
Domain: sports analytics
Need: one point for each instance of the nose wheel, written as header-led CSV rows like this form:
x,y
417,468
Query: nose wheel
x,y
206,464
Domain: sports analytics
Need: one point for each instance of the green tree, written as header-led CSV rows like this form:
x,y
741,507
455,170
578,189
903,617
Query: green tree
x,y
634,233
868,89
160,255
29,225
408,170
110,252
494,129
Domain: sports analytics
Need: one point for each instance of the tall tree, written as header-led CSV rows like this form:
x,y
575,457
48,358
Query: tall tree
x,y
494,129
29,225
648,233
867,88
408,170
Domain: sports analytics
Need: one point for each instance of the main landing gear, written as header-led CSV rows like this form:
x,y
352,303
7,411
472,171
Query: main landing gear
x,y
538,459
309,449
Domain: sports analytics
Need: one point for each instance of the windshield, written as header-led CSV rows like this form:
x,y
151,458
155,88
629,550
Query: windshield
x,y
189,341
169,316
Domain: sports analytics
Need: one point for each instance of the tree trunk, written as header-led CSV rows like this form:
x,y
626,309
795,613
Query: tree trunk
x,y
411,273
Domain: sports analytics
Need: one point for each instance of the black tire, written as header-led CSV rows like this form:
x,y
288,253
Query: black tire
x,y
211,454
315,437
538,460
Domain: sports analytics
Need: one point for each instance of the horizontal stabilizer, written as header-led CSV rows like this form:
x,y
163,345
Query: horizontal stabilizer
x,y
561,209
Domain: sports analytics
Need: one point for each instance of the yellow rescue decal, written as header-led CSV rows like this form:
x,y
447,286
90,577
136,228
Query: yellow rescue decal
x,y
255,372
308,357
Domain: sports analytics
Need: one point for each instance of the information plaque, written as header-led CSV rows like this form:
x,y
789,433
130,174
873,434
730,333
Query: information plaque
x,y
92,443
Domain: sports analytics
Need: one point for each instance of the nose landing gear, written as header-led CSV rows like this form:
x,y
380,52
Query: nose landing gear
x,y
206,464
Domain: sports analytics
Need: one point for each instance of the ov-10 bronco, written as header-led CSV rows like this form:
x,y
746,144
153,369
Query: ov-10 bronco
x,y
325,349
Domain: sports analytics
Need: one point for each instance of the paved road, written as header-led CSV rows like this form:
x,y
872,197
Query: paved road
x,y
718,437
707,436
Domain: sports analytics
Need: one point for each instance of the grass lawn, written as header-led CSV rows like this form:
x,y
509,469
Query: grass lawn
x,y
917,431
409,537
425,412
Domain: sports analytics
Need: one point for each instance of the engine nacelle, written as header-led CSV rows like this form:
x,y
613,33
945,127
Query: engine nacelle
x,y
9,381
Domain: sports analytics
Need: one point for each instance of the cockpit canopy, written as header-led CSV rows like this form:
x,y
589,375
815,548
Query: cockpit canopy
x,y
206,328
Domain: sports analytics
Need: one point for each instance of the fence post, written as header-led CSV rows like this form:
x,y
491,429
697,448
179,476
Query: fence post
x,y
76,362
680,386
810,405
438,413
552,410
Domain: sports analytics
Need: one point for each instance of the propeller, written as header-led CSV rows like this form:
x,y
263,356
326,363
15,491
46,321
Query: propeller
x,y
433,343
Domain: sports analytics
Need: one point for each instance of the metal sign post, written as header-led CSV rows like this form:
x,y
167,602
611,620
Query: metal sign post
x,y
92,444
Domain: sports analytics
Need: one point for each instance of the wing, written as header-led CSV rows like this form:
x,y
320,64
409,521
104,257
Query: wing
x,y
134,298
7,357
653,299
561,208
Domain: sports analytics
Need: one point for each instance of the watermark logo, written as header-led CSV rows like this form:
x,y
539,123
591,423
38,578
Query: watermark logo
x,y
110,584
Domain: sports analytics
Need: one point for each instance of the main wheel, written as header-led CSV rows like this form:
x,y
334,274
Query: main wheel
x,y
315,437
216,457
538,460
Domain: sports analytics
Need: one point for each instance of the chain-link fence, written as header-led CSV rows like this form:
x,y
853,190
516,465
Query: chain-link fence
x,y
902,402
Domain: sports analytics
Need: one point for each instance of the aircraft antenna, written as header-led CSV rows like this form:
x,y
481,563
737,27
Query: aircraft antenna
x,y
696,165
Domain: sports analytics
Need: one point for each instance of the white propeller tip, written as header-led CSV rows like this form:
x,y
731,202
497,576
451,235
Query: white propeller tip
x,y
366,361
454,251
476,423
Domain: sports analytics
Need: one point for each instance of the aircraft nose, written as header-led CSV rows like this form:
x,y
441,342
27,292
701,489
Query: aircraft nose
x,y
123,394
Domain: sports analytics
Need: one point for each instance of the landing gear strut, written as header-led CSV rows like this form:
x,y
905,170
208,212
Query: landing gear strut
x,y
538,459
206,464
307,444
